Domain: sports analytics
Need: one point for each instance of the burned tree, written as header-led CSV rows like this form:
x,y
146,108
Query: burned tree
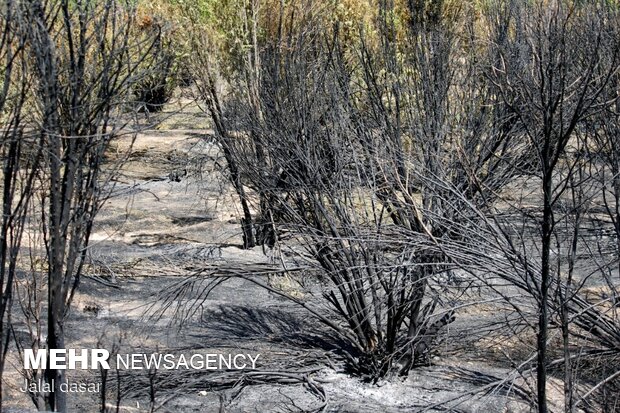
x,y
84,57
20,156
349,133
552,73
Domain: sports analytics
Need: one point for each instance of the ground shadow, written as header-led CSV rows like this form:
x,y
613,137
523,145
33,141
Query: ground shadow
x,y
273,325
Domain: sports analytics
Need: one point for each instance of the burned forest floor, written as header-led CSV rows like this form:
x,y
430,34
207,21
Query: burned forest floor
x,y
171,214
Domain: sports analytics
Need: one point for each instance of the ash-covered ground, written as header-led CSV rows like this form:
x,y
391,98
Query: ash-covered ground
x,y
171,214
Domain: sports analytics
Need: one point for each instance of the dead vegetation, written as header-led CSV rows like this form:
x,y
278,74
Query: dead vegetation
x,y
423,218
